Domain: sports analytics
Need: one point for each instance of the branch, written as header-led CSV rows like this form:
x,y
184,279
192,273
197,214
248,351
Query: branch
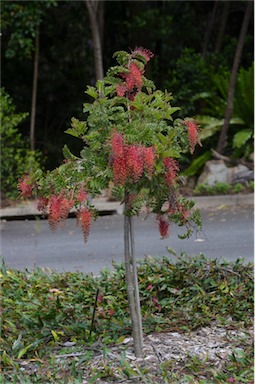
x,y
218,156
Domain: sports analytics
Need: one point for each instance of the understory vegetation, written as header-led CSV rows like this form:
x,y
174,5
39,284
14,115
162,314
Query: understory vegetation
x,y
46,313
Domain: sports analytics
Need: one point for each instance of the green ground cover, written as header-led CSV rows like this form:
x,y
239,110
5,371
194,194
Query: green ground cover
x,y
45,314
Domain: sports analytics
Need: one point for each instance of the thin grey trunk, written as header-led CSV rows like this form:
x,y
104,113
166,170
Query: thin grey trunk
x,y
92,6
132,285
223,23
222,142
34,93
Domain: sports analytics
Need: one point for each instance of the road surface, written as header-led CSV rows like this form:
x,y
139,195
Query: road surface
x,y
227,233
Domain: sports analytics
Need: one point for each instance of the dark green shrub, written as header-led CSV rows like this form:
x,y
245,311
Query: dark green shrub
x,y
16,158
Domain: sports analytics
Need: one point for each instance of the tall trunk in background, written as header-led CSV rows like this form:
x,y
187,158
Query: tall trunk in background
x,y
94,8
223,23
34,92
222,142
209,28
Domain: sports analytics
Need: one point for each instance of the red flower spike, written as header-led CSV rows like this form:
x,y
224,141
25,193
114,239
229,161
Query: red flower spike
x,y
84,218
54,211
59,208
135,76
172,168
66,205
193,134
25,186
148,158
163,227
81,195
134,162
120,171
117,144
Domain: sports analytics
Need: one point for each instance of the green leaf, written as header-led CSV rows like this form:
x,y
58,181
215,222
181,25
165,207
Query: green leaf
x,y
78,129
91,91
197,164
68,154
241,138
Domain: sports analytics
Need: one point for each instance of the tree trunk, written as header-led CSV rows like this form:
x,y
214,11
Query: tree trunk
x,y
222,142
132,285
92,6
209,29
34,92
223,23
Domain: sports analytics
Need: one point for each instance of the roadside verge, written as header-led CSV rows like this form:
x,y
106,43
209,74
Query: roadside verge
x,y
28,209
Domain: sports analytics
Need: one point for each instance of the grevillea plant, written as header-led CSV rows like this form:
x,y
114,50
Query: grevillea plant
x,y
132,141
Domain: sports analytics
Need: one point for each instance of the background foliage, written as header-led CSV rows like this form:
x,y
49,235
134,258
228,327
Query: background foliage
x,y
183,35
16,158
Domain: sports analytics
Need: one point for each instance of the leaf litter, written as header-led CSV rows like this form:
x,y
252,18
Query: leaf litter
x,y
197,320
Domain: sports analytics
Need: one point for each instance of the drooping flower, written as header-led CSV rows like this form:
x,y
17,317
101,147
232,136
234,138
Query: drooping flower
x,y
134,162
84,218
171,167
54,211
117,144
193,134
25,186
59,207
120,171
66,205
163,226
81,195
148,158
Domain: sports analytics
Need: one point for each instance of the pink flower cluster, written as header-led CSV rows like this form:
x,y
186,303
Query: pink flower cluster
x,y
84,217
171,168
193,134
132,79
163,224
58,206
25,186
129,162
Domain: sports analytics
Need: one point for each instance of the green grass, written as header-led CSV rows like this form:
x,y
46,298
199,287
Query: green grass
x,y
46,313
223,188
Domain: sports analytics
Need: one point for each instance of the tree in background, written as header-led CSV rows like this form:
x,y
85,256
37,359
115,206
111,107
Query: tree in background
x,y
67,61
23,20
131,139
96,16
222,142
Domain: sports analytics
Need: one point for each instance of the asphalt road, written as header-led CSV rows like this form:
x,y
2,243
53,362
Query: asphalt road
x,y
227,233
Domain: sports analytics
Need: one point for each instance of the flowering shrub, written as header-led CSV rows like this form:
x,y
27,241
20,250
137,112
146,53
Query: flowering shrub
x,y
131,139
